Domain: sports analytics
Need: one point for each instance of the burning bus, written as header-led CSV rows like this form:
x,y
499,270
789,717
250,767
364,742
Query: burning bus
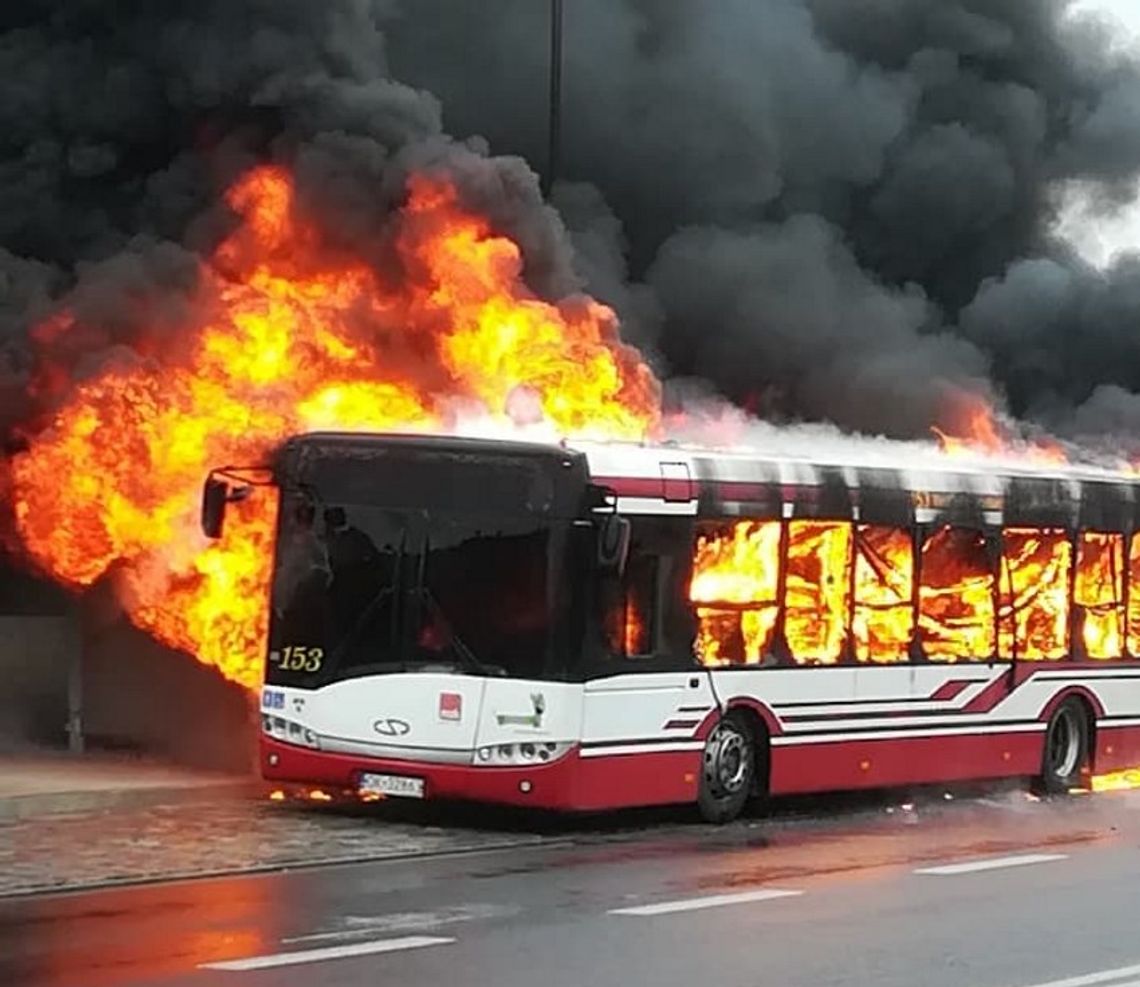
x,y
594,626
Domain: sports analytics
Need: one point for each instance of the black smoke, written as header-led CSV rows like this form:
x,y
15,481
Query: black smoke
x,y
844,207
833,210
122,123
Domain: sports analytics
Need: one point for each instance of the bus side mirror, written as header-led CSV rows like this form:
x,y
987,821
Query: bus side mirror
x,y
215,496
613,543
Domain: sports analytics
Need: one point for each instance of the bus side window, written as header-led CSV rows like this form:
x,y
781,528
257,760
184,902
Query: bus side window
x,y
883,615
817,590
956,599
1033,620
632,611
734,591
1099,593
1134,597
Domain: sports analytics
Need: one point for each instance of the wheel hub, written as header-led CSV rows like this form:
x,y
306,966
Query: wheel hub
x,y
727,759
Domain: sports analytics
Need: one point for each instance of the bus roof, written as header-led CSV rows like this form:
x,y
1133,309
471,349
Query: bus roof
x,y
792,468
876,479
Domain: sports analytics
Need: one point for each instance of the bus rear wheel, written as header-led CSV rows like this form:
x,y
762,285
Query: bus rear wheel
x,y
728,770
1066,752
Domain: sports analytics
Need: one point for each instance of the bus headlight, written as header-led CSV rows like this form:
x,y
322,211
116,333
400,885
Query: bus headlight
x,y
506,755
289,732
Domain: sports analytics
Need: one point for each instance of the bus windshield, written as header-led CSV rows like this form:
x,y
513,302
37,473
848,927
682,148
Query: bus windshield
x,y
361,589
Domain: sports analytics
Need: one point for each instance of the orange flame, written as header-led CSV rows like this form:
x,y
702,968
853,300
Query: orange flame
x,y
294,336
818,589
971,600
979,429
736,578
1099,593
1034,612
636,640
956,603
883,621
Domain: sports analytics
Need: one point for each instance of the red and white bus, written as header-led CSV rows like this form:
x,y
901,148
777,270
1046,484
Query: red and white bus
x,y
589,627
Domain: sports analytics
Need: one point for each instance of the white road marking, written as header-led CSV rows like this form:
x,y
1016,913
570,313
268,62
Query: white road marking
x,y
371,926
712,901
1119,978
327,953
992,863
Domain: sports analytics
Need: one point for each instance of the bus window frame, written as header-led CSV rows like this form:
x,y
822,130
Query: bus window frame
x,y
669,538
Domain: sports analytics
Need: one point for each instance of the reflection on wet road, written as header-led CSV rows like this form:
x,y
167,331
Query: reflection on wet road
x,y
993,891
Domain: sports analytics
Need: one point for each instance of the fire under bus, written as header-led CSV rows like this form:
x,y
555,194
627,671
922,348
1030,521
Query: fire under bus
x,y
600,626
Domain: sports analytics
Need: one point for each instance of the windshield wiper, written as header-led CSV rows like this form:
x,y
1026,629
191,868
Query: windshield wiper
x,y
366,614
461,648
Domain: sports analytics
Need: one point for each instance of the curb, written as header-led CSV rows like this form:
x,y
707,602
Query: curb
x,y
16,807
281,867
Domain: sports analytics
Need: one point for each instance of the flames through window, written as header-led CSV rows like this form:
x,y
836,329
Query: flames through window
x,y
823,592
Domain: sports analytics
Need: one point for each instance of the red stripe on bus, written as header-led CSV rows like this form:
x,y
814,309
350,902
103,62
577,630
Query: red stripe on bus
x,y
847,765
951,690
989,697
633,486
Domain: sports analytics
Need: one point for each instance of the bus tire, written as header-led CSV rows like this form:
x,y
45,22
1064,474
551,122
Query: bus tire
x,y
728,769
1066,753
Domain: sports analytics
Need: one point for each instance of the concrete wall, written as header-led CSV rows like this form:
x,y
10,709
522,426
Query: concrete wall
x,y
142,697
39,639
36,653
136,695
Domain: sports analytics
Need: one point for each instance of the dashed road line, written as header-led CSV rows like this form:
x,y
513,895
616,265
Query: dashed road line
x,y
991,863
327,953
1124,976
351,927
711,901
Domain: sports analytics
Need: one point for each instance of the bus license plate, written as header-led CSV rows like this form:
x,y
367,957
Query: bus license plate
x,y
397,785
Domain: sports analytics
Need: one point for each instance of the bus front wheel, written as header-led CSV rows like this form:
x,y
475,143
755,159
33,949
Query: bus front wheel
x,y
728,769
1066,753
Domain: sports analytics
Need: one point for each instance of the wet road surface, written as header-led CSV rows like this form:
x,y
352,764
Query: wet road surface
x,y
997,891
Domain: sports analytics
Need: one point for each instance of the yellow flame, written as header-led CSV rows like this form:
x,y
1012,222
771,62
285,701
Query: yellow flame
x,y
1116,781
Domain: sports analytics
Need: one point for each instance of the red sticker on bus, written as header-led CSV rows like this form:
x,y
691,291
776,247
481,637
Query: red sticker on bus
x,y
450,706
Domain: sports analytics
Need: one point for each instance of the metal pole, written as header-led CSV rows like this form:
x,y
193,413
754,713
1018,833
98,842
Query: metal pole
x,y
75,684
554,147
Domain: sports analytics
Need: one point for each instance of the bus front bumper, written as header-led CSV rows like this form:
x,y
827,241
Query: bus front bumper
x,y
548,786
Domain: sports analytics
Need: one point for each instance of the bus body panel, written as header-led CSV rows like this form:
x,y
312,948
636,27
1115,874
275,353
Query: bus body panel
x,y
570,784
849,765
390,715
520,711
1117,746
915,725
540,785
436,717
643,713
930,724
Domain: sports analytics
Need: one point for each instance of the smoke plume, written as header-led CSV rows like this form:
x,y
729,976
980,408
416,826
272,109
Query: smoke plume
x,y
832,210
844,207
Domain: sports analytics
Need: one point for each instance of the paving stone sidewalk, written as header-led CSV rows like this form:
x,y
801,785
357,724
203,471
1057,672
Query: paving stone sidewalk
x,y
123,845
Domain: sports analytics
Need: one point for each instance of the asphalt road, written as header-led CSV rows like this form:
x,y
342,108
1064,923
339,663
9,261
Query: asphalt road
x,y
981,892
